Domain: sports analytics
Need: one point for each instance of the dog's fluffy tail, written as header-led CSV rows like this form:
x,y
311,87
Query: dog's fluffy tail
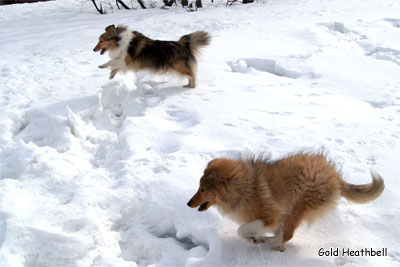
x,y
364,193
195,41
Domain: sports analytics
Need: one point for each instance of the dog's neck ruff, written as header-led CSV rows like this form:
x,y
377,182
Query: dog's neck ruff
x,y
123,44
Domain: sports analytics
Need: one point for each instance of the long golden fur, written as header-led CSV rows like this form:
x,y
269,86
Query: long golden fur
x,y
265,195
131,50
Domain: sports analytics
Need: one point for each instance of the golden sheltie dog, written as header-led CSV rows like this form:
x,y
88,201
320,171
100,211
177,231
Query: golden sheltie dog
x,y
131,50
264,195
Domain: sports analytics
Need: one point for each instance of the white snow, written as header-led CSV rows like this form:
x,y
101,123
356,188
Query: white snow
x,y
98,173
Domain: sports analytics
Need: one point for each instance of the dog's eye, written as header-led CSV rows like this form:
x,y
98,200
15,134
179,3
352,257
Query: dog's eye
x,y
101,41
202,190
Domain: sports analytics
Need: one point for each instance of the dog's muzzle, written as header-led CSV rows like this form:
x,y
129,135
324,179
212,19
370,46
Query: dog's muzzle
x,y
203,206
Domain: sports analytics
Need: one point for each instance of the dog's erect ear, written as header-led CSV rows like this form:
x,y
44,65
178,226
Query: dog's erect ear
x,y
222,166
212,162
223,179
111,29
213,175
217,177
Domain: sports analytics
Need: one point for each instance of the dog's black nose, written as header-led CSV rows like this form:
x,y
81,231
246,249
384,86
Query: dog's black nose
x,y
94,49
189,203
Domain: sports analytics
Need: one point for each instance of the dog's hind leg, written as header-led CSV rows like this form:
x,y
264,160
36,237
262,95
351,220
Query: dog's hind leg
x,y
285,232
292,221
187,69
276,241
191,69
192,81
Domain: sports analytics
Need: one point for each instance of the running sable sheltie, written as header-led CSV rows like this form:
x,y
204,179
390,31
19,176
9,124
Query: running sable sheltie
x,y
264,195
131,50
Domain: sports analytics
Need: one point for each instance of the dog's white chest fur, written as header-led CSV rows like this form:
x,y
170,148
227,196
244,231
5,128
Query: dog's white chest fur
x,y
118,55
234,215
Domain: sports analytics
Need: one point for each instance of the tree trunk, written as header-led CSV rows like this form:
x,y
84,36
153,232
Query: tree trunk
x,y
169,2
141,4
198,4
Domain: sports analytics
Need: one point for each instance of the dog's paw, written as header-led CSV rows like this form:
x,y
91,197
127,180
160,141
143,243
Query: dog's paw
x,y
254,240
278,248
257,240
113,73
274,242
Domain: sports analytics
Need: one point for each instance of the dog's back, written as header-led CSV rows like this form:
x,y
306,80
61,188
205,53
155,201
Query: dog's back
x,y
158,56
310,180
164,56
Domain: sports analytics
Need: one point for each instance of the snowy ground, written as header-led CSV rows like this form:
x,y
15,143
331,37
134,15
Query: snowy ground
x,y
98,173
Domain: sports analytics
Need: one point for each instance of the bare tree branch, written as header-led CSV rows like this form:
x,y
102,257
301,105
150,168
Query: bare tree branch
x,y
141,4
100,10
123,4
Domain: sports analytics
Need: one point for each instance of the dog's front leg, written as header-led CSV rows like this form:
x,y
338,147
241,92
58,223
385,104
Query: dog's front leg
x,y
113,73
276,241
251,231
105,65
